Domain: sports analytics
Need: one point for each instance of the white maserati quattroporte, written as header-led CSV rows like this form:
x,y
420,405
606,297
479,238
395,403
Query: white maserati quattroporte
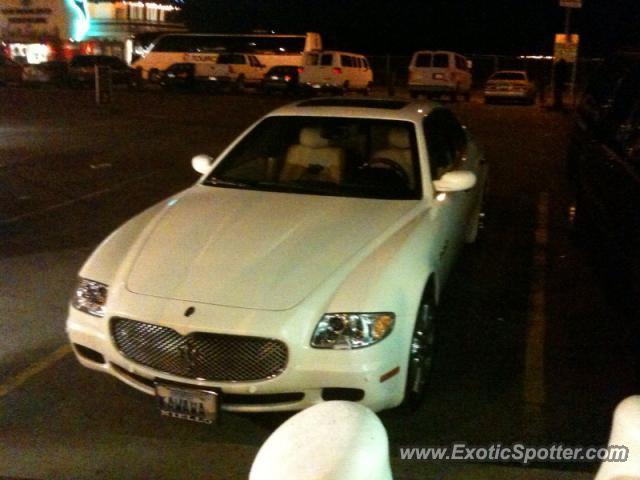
x,y
303,266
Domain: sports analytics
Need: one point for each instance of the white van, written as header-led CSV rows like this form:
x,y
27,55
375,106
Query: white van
x,y
336,71
439,72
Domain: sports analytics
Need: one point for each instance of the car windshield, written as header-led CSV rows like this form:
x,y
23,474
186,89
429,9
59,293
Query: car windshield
x,y
350,157
508,76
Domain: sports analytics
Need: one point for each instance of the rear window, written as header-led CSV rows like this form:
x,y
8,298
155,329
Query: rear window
x,y
327,59
423,60
84,61
441,60
283,70
311,59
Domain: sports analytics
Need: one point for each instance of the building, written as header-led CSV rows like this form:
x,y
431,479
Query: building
x,y
34,31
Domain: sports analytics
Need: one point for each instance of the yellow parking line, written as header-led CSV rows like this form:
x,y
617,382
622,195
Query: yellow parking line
x,y
534,378
19,379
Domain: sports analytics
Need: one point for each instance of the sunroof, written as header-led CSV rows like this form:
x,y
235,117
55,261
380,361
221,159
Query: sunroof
x,y
354,102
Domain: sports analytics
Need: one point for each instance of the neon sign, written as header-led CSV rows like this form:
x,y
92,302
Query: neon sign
x,y
81,21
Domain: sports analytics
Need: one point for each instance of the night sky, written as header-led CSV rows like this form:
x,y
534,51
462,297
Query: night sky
x,y
402,26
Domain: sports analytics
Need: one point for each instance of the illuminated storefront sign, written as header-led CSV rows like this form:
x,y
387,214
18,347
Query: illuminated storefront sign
x,y
81,22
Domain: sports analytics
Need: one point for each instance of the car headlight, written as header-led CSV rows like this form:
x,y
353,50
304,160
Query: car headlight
x,y
90,297
344,331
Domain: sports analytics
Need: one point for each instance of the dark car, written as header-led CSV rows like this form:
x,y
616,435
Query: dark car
x,y
82,70
283,78
54,72
179,75
604,165
10,71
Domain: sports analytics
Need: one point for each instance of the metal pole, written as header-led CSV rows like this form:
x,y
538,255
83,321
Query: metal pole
x,y
567,32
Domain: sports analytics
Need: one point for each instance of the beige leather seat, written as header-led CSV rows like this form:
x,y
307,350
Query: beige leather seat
x,y
399,151
313,159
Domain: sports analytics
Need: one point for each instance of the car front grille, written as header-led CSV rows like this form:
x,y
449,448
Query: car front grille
x,y
206,356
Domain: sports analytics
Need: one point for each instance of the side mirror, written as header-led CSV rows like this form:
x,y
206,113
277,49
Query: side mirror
x,y
202,163
455,181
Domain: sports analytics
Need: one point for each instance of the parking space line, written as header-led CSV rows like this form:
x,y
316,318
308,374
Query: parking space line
x,y
35,368
88,196
534,378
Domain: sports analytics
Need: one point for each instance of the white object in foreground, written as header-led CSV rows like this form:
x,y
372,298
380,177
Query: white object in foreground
x,y
624,432
335,440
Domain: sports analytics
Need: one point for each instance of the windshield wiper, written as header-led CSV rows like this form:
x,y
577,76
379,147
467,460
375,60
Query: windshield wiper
x,y
227,183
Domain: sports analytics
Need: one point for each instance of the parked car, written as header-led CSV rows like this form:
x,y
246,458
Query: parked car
x,y
337,72
179,75
511,85
235,70
10,71
54,72
305,265
604,165
82,70
433,73
282,78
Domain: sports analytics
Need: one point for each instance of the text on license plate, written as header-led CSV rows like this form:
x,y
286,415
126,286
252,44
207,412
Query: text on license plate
x,y
188,404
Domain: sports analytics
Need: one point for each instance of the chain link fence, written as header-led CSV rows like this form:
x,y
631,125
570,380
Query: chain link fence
x,y
392,71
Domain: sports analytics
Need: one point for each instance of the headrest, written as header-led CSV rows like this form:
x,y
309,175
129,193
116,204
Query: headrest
x,y
399,138
312,137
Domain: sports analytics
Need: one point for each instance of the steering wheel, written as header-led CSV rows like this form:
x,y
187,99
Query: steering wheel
x,y
395,167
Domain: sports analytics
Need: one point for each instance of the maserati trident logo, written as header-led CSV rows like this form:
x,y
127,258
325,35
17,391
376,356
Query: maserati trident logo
x,y
190,354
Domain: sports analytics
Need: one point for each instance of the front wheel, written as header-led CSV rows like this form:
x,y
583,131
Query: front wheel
x,y
421,354
238,86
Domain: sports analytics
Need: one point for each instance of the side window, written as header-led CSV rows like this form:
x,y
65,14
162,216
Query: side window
x,y
345,61
365,63
446,142
254,61
461,64
326,60
311,59
358,62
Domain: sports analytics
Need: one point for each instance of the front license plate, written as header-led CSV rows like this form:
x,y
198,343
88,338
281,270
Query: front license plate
x,y
187,404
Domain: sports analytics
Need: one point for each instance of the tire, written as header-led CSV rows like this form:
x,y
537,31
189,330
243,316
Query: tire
x,y
154,76
367,90
238,86
421,353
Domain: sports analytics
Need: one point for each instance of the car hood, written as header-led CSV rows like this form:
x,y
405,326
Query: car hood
x,y
250,249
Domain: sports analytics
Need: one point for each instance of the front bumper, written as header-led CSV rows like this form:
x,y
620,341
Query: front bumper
x,y
310,377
